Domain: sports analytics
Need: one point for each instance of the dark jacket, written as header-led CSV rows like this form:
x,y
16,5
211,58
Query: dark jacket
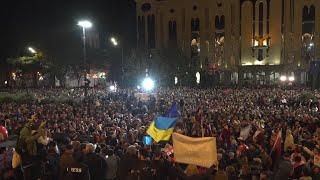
x,y
75,171
65,160
285,170
128,167
97,166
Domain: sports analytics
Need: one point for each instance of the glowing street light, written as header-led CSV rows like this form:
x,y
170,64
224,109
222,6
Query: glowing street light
x,y
148,84
32,50
283,78
85,24
114,41
291,78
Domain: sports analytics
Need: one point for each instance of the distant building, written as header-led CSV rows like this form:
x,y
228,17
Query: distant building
x,y
257,40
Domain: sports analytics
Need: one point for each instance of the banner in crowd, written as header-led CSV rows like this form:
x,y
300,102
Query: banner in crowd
x,y
144,96
197,151
245,132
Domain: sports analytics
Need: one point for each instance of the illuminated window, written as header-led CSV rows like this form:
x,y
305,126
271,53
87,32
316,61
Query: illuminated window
x,y
265,42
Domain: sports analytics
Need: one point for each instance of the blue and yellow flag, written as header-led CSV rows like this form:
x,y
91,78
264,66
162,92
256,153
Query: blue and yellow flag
x,y
159,134
162,127
165,122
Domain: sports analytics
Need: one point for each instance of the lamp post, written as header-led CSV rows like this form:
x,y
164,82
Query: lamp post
x,y
85,24
115,43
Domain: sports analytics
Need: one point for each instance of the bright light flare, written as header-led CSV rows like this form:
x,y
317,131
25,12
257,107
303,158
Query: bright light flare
x,y
112,88
291,78
148,84
32,50
85,24
114,41
283,78
198,77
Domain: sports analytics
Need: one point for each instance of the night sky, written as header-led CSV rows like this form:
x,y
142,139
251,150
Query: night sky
x,y
51,24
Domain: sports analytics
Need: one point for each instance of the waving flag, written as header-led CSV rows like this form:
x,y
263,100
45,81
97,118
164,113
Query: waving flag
x,y
159,134
165,122
162,127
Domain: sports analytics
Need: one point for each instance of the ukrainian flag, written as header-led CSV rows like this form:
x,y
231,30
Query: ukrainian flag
x,y
162,128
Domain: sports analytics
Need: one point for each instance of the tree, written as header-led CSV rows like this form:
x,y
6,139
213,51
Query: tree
x,y
135,67
163,65
27,67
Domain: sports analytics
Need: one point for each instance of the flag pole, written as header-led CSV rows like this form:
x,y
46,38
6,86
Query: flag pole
x,y
276,141
202,130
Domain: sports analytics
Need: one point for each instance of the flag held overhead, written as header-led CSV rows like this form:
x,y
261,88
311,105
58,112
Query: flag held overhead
x,y
159,134
165,122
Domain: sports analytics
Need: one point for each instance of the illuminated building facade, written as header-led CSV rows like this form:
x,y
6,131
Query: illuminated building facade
x,y
256,40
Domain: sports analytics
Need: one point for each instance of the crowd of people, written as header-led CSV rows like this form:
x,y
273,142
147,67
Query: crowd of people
x,y
101,136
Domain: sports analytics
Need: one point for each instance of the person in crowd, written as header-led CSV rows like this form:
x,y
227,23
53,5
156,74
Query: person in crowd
x,y
96,163
118,121
27,148
76,170
52,164
112,164
128,167
285,169
66,158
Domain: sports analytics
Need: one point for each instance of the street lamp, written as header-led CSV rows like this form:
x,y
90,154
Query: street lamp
x,y
283,78
32,50
85,24
115,43
291,78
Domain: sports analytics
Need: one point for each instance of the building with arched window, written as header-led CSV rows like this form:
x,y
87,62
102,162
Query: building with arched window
x,y
247,40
